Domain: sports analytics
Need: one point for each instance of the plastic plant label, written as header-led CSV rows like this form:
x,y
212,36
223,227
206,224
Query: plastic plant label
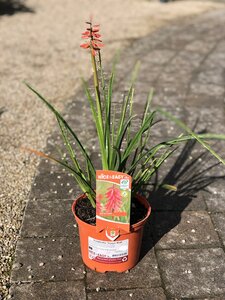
x,y
108,252
113,201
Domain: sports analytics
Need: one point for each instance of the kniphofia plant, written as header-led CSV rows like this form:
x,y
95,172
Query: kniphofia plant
x,y
121,148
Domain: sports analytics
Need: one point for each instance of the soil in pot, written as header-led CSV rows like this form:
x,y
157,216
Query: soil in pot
x,y
86,212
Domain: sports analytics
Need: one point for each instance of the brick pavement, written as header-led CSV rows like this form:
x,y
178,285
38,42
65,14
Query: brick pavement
x,y
183,250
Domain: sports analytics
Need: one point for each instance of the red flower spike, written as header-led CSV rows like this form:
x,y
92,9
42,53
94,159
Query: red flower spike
x,y
95,27
92,33
86,33
99,205
100,197
97,45
85,46
114,197
96,35
97,40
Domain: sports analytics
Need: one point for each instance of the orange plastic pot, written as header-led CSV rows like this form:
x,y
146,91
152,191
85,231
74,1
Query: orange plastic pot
x,y
101,254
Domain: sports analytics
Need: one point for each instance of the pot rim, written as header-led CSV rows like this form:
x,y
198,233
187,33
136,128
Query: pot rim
x,y
141,199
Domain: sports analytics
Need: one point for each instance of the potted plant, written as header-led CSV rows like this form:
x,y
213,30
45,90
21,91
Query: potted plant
x,y
112,240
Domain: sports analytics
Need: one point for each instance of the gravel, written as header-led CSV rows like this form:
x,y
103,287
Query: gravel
x,y
42,48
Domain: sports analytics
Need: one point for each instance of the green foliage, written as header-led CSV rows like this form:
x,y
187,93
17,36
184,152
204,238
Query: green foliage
x,y
121,148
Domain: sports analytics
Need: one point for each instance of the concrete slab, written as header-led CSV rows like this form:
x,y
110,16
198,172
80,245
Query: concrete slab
x,y
50,185
175,202
47,259
177,43
66,290
192,273
205,116
145,274
51,218
137,294
219,223
157,57
174,230
221,297
215,197
199,46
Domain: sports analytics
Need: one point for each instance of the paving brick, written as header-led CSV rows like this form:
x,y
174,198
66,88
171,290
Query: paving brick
x,y
215,60
192,273
52,185
202,169
176,202
157,57
191,169
44,259
137,294
143,86
205,118
48,166
215,197
174,43
145,274
208,89
219,223
49,218
211,76
175,78
67,290
167,93
198,100
147,74
164,127
221,297
199,46
183,230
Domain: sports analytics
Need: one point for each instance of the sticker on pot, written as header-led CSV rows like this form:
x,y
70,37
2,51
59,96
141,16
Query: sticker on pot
x,y
113,200
108,252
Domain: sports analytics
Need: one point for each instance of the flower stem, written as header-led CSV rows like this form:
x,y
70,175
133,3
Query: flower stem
x,y
100,128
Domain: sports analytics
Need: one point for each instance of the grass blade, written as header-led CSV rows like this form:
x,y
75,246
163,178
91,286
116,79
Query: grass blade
x,y
85,184
57,114
190,132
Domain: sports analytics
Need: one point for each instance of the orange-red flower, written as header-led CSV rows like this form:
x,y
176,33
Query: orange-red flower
x,y
99,206
94,43
114,199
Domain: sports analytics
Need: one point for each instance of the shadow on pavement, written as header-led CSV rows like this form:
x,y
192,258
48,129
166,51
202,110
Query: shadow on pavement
x,y
10,7
190,177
